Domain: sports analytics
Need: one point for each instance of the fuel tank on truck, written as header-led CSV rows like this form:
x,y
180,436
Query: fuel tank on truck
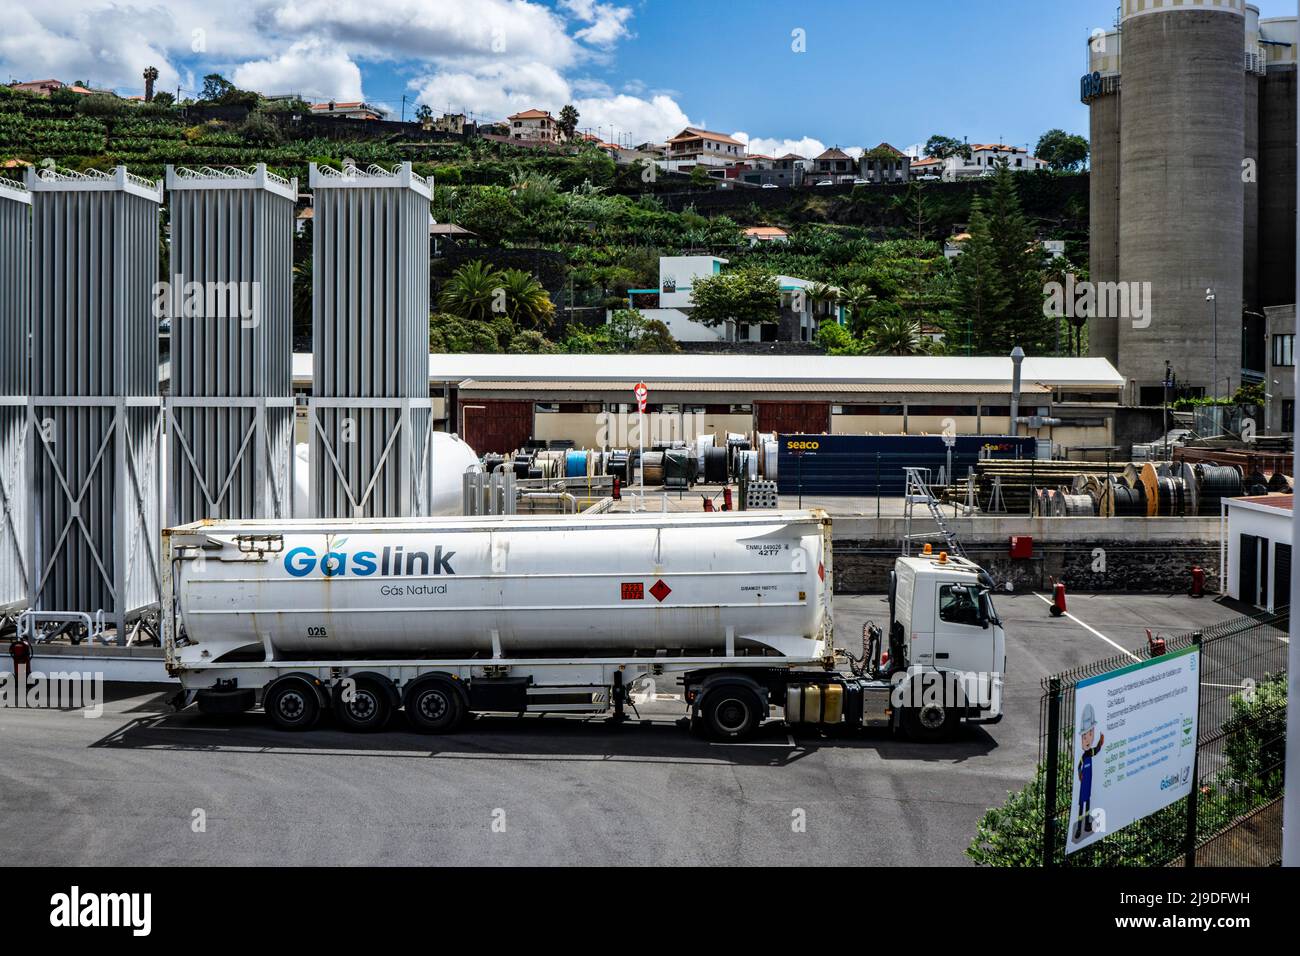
x,y
511,586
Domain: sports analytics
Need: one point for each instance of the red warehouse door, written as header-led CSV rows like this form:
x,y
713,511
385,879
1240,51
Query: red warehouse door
x,y
794,418
495,426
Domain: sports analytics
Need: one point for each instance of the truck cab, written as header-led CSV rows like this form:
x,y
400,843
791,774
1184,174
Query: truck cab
x,y
943,622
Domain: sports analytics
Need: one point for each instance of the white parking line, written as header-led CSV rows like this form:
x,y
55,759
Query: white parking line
x,y
1090,629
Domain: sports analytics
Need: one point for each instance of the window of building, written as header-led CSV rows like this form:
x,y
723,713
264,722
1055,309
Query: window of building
x,y
956,411
867,410
1284,349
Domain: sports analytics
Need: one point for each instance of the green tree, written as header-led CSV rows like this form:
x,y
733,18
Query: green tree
x,y
488,212
943,147
568,121
745,296
527,304
423,114
1062,151
150,78
896,335
914,206
699,176
215,88
1000,275
258,130
455,333
858,300
474,291
835,339
164,99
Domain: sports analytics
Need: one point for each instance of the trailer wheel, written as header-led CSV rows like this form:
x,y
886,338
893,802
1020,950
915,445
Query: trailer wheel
x,y
434,707
292,705
368,709
731,712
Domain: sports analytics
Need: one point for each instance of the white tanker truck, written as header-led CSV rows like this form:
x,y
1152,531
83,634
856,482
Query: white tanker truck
x,y
445,617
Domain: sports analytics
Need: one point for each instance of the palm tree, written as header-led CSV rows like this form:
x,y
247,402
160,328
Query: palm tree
x,y
150,77
474,291
897,335
858,300
527,302
822,294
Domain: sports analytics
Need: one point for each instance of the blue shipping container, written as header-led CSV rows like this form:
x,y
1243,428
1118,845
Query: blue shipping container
x,y
867,464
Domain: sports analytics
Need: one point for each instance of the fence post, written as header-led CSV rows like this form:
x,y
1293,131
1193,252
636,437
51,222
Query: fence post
x,y
1189,838
1052,771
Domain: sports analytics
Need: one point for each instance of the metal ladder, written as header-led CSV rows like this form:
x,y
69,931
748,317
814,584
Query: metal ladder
x,y
918,492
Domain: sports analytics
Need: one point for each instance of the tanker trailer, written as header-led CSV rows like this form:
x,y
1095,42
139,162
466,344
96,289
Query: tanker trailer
x,y
445,617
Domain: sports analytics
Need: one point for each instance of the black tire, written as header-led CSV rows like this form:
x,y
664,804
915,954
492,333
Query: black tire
x,y
292,705
731,712
930,722
434,707
368,709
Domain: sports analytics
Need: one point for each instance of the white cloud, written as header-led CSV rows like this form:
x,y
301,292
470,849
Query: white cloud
x,y
313,67
492,57
461,32
632,118
806,146
607,23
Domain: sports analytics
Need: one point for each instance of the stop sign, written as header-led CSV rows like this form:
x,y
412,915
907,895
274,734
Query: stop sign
x,y
642,393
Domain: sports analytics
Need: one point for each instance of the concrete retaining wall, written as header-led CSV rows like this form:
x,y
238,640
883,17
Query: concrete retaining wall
x,y
1088,554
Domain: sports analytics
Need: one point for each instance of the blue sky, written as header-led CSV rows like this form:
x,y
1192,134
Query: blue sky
x,y
871,70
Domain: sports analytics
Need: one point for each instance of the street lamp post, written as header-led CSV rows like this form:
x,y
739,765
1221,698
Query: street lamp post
x,y
1213,299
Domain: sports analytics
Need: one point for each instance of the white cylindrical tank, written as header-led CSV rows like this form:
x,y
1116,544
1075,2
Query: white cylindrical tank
x,y
528,585
451,458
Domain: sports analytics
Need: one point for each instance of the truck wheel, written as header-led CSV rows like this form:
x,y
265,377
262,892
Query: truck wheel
x,y
434,707
731,712
930,722
292,705
367,711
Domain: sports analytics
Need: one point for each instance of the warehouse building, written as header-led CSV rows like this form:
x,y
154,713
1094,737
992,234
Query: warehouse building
x,y
1193,191
501,402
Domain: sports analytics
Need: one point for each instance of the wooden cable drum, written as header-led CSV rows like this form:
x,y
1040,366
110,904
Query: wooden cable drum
x,y
652,468
1131,475
1149,479
1121,501
715,466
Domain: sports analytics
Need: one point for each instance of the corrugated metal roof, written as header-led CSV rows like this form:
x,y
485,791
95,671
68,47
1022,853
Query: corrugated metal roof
x,y
847,388
1084,373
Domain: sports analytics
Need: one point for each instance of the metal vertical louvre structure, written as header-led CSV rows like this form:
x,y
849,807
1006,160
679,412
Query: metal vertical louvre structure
x,y
94,414
230,411
15,381
370,412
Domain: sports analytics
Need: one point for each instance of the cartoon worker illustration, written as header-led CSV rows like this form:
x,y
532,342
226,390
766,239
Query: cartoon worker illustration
x,y
1087,733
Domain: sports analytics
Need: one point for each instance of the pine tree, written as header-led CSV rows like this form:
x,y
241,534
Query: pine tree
x,y
1000,276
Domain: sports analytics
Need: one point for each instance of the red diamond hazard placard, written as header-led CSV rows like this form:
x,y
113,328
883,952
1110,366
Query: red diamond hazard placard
x,y
660,590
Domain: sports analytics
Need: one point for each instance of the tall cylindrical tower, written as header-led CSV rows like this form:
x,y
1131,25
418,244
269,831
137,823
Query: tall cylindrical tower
x,y
1181,193
1100,89
1254,70
1277,162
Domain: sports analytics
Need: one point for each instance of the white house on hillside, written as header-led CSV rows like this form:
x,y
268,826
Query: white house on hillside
x,y
677,276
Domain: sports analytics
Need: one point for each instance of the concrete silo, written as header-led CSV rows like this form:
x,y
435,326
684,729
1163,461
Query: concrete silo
x,y
1100,89
1277,163
94,415
1181,193
230,412
370,413
15,380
